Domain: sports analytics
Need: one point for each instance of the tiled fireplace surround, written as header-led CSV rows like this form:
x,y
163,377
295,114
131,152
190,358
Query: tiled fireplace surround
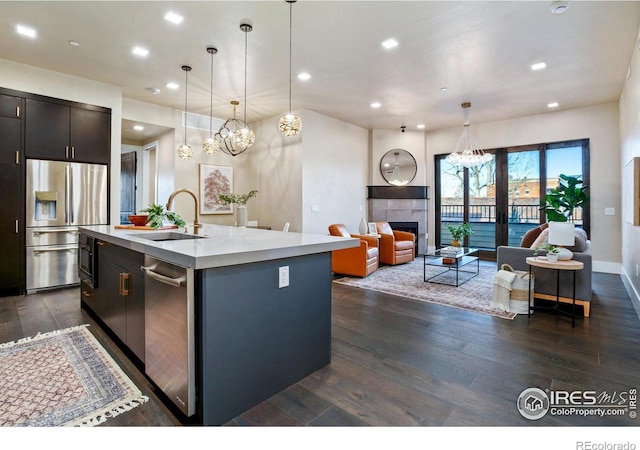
x,y
400,204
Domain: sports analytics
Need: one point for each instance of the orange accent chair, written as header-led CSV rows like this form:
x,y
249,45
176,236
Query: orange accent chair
x,y
396,247
356,261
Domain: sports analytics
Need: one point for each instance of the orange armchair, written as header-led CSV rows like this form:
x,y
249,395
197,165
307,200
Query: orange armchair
x,y
356,261
396,247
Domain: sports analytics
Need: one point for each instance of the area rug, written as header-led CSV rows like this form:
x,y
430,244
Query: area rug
x,y
62,378
407,280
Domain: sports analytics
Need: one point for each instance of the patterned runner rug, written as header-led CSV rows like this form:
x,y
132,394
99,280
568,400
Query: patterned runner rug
x,y
62,378
407,280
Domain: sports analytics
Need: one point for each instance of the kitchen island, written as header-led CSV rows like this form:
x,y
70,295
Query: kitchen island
x,y
253,316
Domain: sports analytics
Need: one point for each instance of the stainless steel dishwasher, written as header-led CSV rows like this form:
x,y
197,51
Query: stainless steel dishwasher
x,y
169,331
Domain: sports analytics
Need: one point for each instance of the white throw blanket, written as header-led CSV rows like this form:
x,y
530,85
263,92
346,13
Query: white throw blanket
x,y
502,289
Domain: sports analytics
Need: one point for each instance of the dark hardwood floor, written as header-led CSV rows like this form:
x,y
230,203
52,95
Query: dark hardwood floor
x,y
401,362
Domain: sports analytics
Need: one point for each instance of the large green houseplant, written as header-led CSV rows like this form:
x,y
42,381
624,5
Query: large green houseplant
x,y
561,201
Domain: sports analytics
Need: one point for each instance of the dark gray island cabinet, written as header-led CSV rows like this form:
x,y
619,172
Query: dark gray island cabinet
x,y
254,316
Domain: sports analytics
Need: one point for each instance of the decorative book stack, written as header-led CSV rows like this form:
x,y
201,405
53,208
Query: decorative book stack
x,y
449,254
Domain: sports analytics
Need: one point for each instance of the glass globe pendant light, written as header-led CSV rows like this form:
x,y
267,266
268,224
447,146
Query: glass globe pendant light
x,y
235,136
210,145
290,124
185,151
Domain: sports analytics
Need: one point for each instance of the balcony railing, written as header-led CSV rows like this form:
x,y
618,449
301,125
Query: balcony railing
x,y
483,217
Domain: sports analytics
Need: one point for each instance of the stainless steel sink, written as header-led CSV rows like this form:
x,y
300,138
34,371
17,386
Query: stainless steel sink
x,y
167,236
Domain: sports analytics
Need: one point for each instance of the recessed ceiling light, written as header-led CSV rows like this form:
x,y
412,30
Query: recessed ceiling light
x,y
74,43
26,31
140,51
553,105
376,105
172,85
559,7
539,65
153,90
138,127
173,17
443,89
421,126
304,76
390,43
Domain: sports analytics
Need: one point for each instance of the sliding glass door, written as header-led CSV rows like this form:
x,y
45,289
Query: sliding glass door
x,y
502,197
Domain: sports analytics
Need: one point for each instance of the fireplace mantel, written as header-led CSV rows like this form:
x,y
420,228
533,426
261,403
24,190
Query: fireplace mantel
x,y
387,192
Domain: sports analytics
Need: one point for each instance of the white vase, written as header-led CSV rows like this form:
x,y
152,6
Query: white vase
x,y
241,216
363,228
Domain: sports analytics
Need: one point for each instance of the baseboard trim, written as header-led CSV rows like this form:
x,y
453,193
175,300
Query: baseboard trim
x,y
631,290
607,267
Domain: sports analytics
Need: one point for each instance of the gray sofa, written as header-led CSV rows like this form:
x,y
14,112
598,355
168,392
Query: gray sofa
x,y
545,279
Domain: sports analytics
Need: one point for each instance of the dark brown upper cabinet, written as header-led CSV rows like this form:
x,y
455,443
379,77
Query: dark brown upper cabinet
x,y
68,133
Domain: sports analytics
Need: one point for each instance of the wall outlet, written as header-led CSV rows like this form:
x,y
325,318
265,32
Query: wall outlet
x,y
283,277
314,208
609,211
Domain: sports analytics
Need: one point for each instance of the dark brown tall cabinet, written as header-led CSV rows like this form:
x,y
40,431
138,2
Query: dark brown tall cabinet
x,y
11,226
61,132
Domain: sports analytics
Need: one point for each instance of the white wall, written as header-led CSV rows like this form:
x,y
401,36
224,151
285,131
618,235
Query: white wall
x,y
599,123
335,173
35,80
630,140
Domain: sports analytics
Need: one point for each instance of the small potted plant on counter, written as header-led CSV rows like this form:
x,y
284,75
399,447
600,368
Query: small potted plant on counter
x,y
157,216
458,232
241,201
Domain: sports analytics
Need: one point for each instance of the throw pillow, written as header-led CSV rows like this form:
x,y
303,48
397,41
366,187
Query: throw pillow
x,y
581,241
530,236
542,239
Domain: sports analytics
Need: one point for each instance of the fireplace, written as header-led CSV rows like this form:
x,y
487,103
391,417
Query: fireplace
x,y
404,207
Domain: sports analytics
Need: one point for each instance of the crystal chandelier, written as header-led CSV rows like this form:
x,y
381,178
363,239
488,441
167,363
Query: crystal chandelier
x,y
235,136
467,153
185,151
210,145
290,124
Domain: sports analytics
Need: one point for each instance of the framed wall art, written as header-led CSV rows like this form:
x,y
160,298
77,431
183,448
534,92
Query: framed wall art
x,y
215,180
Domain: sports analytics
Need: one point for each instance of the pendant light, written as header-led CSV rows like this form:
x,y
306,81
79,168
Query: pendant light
x,y
210,145
235,136
185,151
467,153
290,124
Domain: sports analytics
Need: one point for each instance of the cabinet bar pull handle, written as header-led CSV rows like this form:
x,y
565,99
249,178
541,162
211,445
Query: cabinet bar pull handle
x,y
17,157
73,152
66,151
17,231
17,111
87,293
124,285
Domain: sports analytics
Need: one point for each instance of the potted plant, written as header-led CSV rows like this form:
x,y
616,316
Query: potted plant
x,y
561,201
240,200
157,216
458,232
552,252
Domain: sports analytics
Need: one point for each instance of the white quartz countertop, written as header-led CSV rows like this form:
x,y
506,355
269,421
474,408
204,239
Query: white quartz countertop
x,y
221,245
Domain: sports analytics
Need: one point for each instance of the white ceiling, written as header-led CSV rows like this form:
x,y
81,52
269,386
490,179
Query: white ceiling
x,y
481,51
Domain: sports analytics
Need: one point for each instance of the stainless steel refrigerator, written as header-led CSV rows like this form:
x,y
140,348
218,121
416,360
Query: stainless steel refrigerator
x,y
60,196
